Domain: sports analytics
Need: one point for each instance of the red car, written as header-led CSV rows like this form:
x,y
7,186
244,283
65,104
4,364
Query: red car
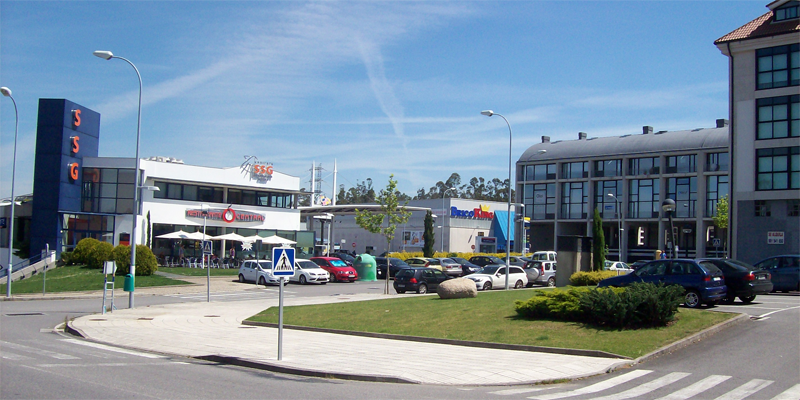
x,y
338,269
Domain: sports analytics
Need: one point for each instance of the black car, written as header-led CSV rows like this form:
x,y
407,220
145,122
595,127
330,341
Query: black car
x,y
347,258
743,280
466,266
785,271
418,279
395,264
483,261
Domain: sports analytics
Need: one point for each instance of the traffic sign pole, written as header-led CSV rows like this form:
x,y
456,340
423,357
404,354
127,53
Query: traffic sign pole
x,y
280,320
282,266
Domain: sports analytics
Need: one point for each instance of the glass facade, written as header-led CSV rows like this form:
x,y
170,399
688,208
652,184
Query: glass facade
x,y
540,201
574,200
644,200
75,227
682,164
778,168
108,190
778,66
644,166
608,168
684,192
717,162
778,117
605,203
540,172
716,188
575,170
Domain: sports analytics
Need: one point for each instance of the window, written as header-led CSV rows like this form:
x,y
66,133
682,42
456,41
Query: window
x,y
778,117
682,164
605,203
574,200
107,190
684,192
788,11
793,208
644,166
540,172
717,162
575,170
643,195
608,168
210,194
540,201
762,209
717,188
778,168
778,66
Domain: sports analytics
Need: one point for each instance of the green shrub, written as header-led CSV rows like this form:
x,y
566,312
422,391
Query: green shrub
x,y
561,304
98,254
146,263
82,251
591,278
67,258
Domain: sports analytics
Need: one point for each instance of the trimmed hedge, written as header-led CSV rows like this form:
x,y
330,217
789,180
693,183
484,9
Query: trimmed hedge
x,y
146,263
640,305
406,255
590,278
90,252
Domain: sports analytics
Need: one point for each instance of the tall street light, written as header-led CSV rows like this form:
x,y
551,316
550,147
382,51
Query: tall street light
x,y
444,212
107,55
7,92
620,223
668,206
490,113
207,266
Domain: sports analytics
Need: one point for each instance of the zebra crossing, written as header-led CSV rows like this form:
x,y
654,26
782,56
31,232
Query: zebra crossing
x,y
650,385
66,352
234,295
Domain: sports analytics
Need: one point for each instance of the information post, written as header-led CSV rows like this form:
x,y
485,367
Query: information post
x,y
282,266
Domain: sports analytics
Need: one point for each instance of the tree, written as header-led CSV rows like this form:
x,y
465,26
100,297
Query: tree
x,y
390,211
720,219
428,236
599,250
149,231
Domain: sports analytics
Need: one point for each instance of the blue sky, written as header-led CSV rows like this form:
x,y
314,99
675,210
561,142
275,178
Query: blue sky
x,y
382,87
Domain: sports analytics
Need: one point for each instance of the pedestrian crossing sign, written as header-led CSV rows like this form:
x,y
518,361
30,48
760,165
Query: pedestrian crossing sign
x,y
206,247
283,261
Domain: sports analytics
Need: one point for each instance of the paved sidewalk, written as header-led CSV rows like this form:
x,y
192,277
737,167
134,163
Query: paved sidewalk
x,y
214,331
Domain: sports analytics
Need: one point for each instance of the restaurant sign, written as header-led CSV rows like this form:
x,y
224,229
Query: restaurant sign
x,y
228,215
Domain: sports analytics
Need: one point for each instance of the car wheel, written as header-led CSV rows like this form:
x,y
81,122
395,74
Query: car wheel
x,y
261,281
530,284
487,286
551,282
729,298
333,278
422,289
241,278
401,291
691,299
747,299
303,280
518,285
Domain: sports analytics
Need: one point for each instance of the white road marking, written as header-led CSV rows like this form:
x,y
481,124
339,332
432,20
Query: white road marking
x,y
770,313
508,392
597,387
110,348
745,390
41,352
697,387
793,393
647,387
15,357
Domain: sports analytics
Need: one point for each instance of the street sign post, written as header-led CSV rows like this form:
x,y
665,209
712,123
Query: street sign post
x,y
282,266
206,247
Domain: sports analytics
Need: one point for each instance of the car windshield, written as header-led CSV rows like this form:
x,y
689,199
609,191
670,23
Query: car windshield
x,y
307,265
265,264
496,260
534,265
346,257
405,272
741,264
489,270
338,263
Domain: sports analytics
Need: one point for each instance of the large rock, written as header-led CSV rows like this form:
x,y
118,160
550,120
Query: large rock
x,y
459,288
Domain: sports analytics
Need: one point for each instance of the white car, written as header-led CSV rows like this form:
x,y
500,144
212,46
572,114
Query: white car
x,y
617,266
260,272
307,271
494,276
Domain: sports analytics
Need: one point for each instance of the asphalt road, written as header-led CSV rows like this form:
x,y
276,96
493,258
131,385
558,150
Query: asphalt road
x,y
758,359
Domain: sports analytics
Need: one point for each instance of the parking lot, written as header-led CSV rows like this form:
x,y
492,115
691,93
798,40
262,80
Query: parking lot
x,y
763,306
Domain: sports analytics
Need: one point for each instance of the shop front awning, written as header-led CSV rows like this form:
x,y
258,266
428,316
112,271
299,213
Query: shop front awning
x,y
499,226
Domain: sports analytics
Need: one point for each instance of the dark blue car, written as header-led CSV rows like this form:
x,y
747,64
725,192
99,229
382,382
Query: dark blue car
x,y
785,271
703,281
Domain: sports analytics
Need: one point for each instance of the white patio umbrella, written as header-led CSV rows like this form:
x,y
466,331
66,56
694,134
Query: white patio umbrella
x,y
175,235
198,236
275,239
230,236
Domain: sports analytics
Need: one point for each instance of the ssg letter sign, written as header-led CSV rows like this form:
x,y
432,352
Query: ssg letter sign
x,y
283,261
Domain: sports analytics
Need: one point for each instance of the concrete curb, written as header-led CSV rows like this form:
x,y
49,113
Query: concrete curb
x,y
467,343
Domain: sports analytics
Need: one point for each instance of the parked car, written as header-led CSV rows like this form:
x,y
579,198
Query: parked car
x,y
418,279
450,267
704,283
532,272
547,272
518,260
260,272
617,266
395,264
743,280
494,276
338,270
347,258
785,271
483,261
424,262
638,264
544,256
466,266
307,271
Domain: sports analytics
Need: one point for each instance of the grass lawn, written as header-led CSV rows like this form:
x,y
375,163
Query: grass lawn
x,y
490,317
199,271
77,278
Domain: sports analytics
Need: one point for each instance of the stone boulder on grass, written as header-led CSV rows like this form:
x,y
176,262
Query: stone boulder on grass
x,y
458,288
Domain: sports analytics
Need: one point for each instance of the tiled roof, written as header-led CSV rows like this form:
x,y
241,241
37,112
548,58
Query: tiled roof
x,y
759,27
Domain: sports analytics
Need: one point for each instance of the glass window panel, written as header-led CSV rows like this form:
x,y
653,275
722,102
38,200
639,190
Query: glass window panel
x,y
174,191
125,191
108,206
126,176
780,78
108,175
249,197
108,190
764,80
795,180
218,195
189,192
780,180
764,64
162,190
779,61
764,164
764,181
765,130
780,163
765,113
780,129
780,111
124,206
234,196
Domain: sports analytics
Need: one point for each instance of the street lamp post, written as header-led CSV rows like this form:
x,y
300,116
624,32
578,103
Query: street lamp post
x,y
443,214
669,207
207,266
620,224
107,55
490,113
10,267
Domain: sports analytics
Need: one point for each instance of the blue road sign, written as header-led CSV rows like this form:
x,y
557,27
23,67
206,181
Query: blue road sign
x,y
206,247
283,261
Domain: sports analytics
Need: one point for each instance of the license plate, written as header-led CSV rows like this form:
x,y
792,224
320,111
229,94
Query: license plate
x,y
401,285
761,277
716,278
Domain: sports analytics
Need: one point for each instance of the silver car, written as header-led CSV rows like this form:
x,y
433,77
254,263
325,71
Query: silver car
x,y
547,272
260,272
450,267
